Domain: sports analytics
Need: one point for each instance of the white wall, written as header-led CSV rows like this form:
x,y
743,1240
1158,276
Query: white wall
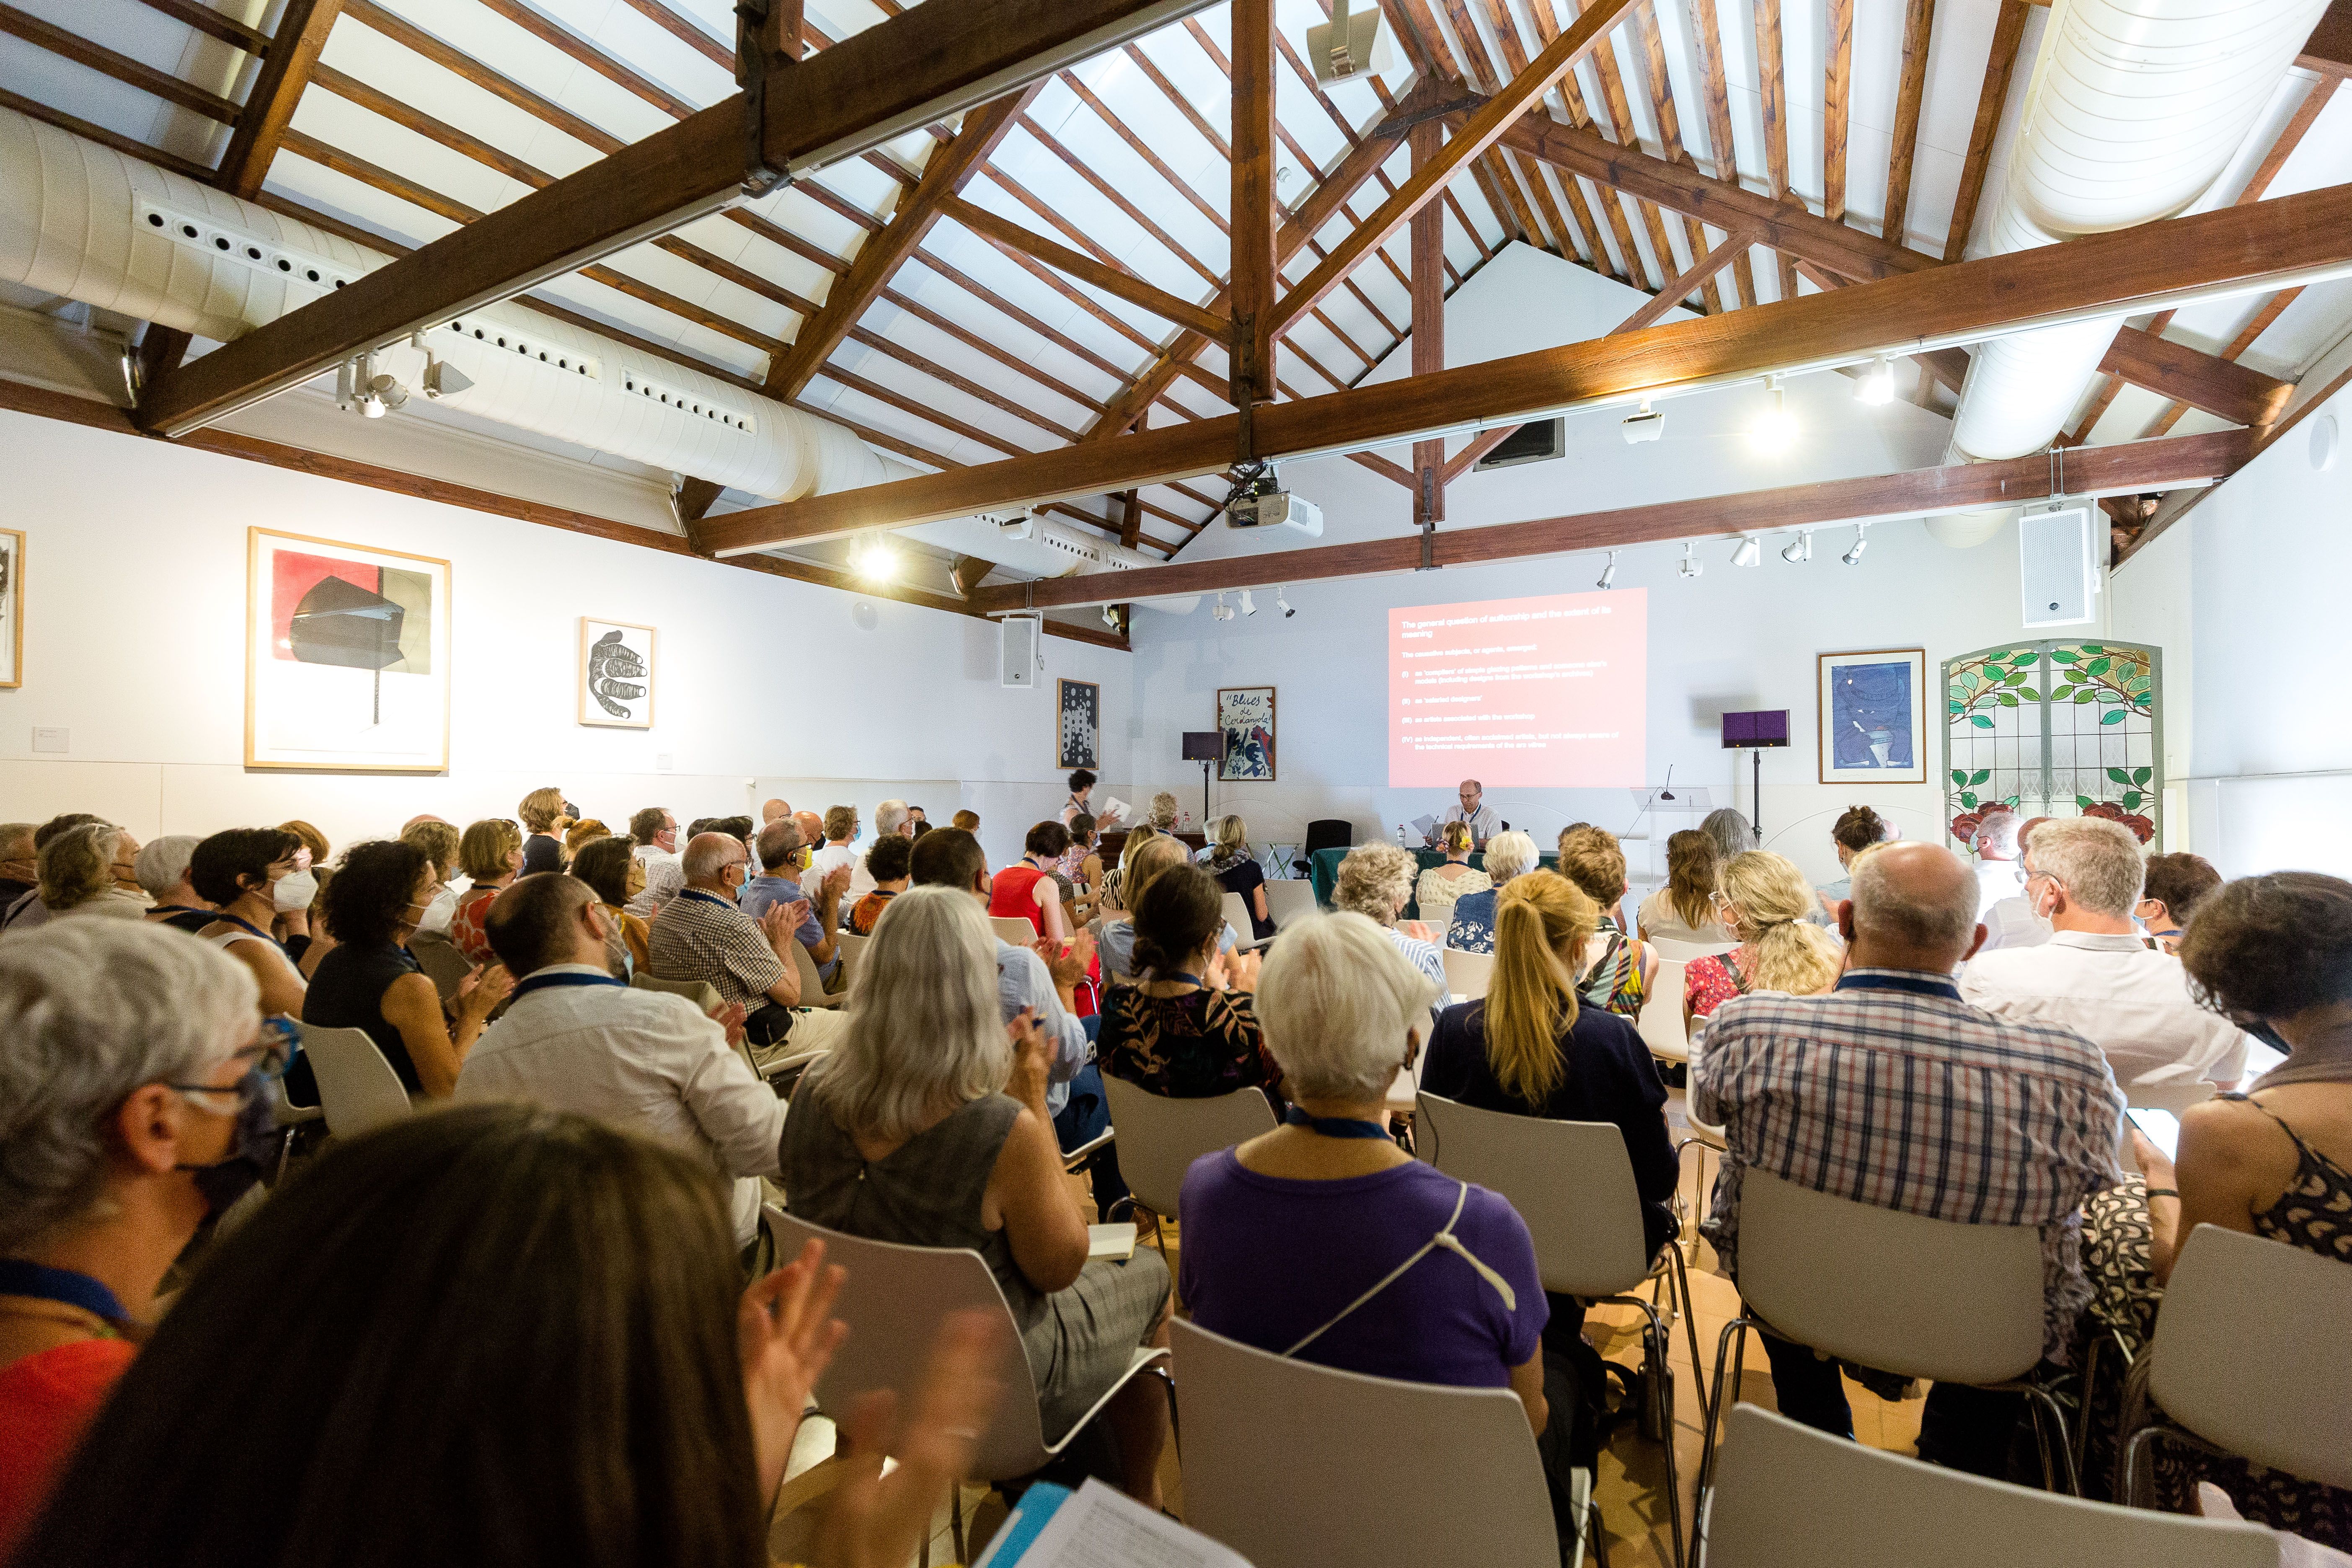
x,y
133,640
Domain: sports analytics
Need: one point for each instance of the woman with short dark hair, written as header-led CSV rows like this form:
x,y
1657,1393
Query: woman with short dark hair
x,y
496,1335
612,867
2172,888
237,872
1176,1028
1028,889
371,981
491,855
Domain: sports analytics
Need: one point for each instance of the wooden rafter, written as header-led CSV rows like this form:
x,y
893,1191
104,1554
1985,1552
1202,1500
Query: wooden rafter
x,y
68,46
1918,26
1774,83
205,19
1837,108
1255,280
1115,282
269,107
1670,137
1428,231
2001,64
1707,39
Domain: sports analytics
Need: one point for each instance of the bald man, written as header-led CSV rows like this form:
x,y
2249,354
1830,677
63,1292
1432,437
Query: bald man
x,y
1893,1092
774,811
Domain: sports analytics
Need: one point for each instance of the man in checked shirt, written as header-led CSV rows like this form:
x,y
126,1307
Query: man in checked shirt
x,y
1891,1090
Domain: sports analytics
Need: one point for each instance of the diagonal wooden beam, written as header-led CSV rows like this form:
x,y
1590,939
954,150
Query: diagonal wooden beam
x,y
2293,240
269,107
1918,28
2008,33
1773,78
1837,109
1707,37
1482,130
1255,283
2237,393
943,57
2328,50
1006,235
2122,468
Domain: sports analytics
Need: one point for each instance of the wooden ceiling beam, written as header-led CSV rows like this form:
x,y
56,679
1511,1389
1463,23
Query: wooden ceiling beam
x,y
2001,64
302,31
2328,50
1911,90
1837,108
121,67
2237,393
32,109
1009,236
2253,328
2239,248
1670,138
205,19
1774,83
2137,466
1707,39
858,94
1252,294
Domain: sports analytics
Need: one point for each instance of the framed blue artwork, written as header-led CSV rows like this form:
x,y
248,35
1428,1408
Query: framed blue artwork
x,y
1873,716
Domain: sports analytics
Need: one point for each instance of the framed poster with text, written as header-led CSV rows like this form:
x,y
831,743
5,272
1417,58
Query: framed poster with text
x,y
1245,714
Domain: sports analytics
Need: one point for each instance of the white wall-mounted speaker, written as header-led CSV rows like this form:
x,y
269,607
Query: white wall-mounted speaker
x,y
2058,564
1018,638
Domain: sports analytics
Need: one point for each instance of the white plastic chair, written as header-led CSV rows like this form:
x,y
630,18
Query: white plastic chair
x,y
1790,1497
1661,1024
1013,929
2254,1357
813,991
1237,915
894,1300
853,949
1572,1182
1921,1298
1298,1465
1159,1137
2173,1096
357,1088
1686,951
1288,901
1466,973
443,962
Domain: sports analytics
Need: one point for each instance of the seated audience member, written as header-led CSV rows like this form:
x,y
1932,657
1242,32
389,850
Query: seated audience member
x,y
1321,1239
653,837
1857,829
1733,834
18,875
28,910
812,828
918,821
490,854
1165,812
737,826
887,868
616,875
820,916
1237,871
841,831
1683,910
1082,867
1115,879
2004,908
544,821
703,934
1443,885
1375,880
2093,976
2174,887
1177,1029
1471,928
162,870
927,1126
965,822
576,837
1765,903
1617,968
1027,890
2277,951
1041,979
890,821
130,1064
1114,934
369,981
92,870
1892,1090
578,1039
545,1322
439,840
237,872
298,892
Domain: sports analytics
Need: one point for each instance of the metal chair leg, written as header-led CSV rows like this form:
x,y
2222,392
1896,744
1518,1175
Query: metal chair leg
x,y
1716,1395
2041,1399
1158,1369
1690,1327
1658,1376
955,1520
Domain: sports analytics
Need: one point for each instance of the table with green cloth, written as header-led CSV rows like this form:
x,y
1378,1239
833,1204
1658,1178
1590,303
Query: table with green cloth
x,y
1323,870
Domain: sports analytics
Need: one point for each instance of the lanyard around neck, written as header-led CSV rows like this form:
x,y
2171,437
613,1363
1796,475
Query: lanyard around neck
x,y
249,925
1334,1126
1918,984
23,1276
550,982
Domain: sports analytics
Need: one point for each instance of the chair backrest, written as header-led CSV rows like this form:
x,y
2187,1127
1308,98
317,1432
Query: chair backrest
x,y
443,962
894,1302
1466,973
1289,900
357,1088
1686,951
1918,1297
1298,1465
1661,1024
1159,1138
1786,1495
813,991
852,949
1013,929
2173,1096
1237,915
1570,1181
2254,1351
701,993
1330,833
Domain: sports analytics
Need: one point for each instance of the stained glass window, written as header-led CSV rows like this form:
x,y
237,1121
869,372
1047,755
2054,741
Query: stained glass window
x,y
2055,729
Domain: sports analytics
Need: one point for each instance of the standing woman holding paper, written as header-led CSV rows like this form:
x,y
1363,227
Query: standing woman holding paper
x,y
1081,786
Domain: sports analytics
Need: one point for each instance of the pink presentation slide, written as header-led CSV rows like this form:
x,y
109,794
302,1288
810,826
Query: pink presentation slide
x,y
1519,693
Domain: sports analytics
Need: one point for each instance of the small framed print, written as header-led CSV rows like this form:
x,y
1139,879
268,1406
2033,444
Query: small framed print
x,y
1077,721
1245,714
1873,716
12,607
617,674
347,657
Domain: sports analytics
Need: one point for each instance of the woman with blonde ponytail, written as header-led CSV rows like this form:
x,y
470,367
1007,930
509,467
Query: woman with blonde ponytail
x,y
1764,900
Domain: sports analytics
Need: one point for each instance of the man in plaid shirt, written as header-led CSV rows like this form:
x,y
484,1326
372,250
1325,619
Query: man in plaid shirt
x,y
1893,1092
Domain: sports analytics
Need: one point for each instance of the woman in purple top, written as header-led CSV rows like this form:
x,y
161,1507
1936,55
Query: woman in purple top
x,y
1323,1240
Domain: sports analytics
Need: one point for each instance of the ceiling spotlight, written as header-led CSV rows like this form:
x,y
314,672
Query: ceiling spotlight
x,y
1877,384
1691,565
1111,617
1282,604
1249,607
1750,551
1223,611
1853,557
1645,426
875,561
1609,573
1776,428
1799,549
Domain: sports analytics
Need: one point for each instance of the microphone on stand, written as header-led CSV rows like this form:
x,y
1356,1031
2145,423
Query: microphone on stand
x,y
1668,793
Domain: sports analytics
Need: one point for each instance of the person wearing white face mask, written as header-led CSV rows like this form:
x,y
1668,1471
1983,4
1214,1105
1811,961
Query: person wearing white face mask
x,y
578,1040
239,872
296,892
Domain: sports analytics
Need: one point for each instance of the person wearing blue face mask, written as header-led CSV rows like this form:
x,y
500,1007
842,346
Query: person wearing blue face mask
x,y
134,1078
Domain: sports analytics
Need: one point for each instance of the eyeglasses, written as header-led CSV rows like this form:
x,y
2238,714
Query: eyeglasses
x,y
268,1060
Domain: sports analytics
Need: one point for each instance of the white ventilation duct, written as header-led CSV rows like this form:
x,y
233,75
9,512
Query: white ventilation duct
x,y
2134,108
84,222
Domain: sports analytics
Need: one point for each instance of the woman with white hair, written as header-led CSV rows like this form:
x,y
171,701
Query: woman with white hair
x,y
162,868
91,870
1472,929
926,1125
1325,1241
1375,882
131,1083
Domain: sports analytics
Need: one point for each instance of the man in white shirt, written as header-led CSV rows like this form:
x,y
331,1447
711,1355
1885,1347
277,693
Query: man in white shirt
x,y
841,829
654,832
576,1038
1472,808
2094,974
2002,906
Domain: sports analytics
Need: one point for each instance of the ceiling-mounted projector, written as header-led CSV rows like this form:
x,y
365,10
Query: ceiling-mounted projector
x,y
1352,46
1259,501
